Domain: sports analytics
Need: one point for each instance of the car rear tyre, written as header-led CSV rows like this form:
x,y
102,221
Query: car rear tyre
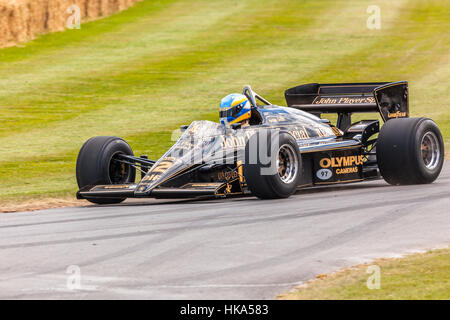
x,y
97,164
282,179
410,151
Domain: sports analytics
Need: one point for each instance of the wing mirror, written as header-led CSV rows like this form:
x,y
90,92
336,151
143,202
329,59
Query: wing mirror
x,y
326,121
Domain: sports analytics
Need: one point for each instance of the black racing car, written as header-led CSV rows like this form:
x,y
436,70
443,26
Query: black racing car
x,y
283,148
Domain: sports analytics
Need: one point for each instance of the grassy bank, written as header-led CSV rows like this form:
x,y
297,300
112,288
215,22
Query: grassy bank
x,y
141,73
418,276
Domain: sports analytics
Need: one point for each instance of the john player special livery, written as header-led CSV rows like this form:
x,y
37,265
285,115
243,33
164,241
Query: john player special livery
x,y
271,151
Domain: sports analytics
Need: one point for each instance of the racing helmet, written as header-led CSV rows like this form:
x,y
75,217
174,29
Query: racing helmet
x,y
234,108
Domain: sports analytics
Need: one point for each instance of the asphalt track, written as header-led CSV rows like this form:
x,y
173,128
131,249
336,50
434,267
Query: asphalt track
x,y
241,248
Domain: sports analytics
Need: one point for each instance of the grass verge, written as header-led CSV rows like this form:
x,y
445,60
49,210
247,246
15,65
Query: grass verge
x,y
416,276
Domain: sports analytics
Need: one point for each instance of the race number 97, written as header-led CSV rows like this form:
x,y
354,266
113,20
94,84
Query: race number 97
x,y
324,174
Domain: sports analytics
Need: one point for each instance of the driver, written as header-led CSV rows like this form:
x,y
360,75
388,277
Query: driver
x,y
235,108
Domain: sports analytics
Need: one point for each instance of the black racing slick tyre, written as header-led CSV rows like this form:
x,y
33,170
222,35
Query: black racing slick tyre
x,y
97,165
272,165
410,151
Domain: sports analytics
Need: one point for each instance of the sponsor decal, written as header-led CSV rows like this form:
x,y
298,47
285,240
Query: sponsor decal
x,y
227,175
240,171
322,133
338,166
339,162
397,114
234,141
337,132
119,186
204,185
347,170
300,134
239,141
343,100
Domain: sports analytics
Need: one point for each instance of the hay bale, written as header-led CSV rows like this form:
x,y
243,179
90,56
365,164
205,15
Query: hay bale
x,y
16,17
22,20
36,17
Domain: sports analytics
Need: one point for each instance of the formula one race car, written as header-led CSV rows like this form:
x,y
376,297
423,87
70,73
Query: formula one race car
x,y
279,150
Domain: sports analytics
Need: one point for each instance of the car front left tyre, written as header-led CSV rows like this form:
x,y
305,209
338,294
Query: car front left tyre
x,y
279,176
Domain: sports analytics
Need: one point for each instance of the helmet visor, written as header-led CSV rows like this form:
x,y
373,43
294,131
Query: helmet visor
x,y
232,112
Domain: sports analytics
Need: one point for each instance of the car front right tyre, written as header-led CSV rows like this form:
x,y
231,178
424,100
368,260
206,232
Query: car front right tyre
x,y
98,164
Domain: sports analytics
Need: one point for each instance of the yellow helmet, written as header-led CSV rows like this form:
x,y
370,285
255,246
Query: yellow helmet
x,y
234,108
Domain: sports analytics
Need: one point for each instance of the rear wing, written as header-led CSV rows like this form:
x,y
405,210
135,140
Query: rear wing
x,y
390,99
